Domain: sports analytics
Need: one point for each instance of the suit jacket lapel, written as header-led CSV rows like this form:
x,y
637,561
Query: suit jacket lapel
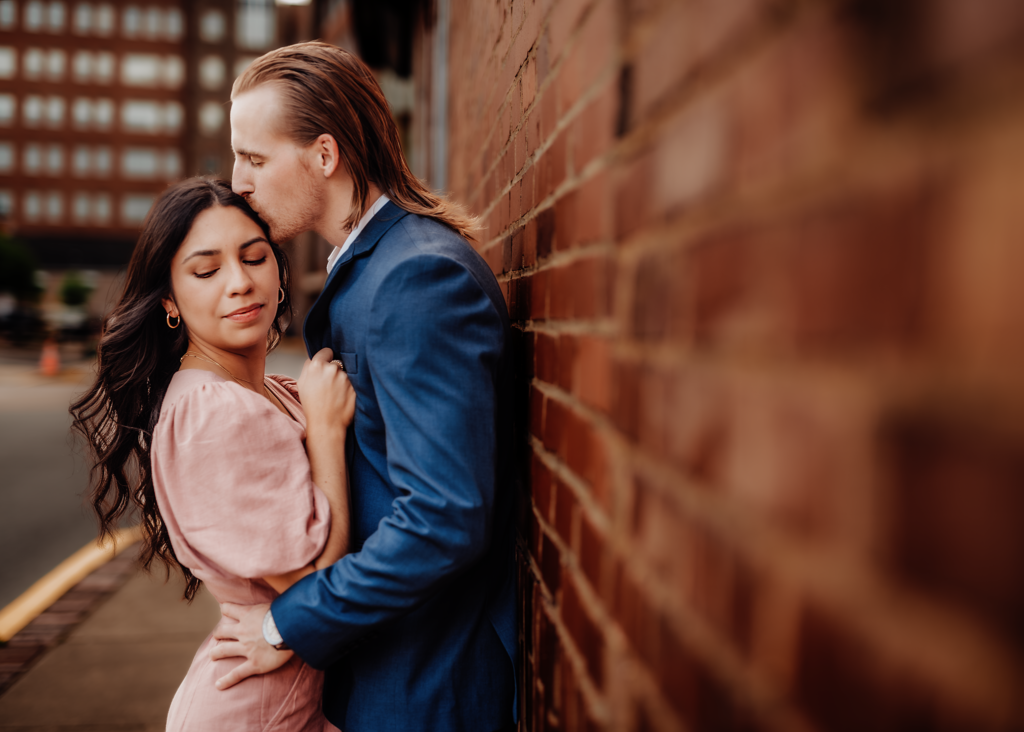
x,y
379,225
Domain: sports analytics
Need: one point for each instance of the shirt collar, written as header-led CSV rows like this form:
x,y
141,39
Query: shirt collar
x,y
370,213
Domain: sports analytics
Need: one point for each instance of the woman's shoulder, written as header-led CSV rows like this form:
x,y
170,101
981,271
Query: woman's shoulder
x,y
198,394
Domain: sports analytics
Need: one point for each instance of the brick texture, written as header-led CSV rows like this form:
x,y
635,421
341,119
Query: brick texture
x,y
762,259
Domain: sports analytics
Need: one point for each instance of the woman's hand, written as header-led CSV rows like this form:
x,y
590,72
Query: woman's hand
x,y
327,395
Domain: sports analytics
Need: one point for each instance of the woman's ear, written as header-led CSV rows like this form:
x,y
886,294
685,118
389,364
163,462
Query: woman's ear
x,y
170,307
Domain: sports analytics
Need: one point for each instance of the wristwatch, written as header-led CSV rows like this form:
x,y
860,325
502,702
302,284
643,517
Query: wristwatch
x,y
271,635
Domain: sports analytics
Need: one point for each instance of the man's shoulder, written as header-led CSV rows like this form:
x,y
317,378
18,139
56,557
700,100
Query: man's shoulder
x,y
423,239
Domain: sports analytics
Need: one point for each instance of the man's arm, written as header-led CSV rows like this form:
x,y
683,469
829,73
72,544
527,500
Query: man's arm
x,y
434,348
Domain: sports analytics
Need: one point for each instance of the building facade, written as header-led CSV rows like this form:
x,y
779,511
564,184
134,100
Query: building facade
x,y
103,104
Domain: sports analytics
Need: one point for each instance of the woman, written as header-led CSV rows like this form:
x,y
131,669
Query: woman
x,y
237,485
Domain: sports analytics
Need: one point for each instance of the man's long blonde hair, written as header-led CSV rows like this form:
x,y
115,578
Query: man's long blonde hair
x,y
327,90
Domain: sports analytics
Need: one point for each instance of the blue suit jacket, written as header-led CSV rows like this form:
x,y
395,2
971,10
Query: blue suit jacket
x,y
416,625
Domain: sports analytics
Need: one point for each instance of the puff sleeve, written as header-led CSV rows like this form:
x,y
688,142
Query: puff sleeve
x,y
233,484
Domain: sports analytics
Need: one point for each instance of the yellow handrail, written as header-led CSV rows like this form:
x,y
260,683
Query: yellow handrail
x,y
52,586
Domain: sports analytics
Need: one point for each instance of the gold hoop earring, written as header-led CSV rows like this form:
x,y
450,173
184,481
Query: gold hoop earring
x,y
280,298
177,317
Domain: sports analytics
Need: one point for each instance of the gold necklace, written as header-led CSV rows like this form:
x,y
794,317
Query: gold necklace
x,y
210,360
266,391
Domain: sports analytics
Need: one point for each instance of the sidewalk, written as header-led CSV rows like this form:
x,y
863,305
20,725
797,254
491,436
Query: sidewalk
x,y
119,669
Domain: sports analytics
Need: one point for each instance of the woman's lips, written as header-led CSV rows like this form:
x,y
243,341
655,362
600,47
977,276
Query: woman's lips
x,y
244,315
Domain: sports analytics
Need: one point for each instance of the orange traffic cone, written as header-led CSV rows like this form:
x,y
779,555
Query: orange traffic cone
x,y
49,361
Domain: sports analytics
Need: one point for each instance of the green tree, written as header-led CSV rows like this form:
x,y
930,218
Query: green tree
x,y
73,290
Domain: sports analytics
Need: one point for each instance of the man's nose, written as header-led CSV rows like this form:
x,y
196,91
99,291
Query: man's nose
x,y
241,183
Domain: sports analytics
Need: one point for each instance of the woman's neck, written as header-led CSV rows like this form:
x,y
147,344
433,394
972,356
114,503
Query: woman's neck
x,y
245,368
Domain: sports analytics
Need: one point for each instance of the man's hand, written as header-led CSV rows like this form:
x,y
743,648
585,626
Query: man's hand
x,y
242,628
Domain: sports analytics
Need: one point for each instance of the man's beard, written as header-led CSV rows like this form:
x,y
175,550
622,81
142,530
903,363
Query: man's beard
x,y
285,226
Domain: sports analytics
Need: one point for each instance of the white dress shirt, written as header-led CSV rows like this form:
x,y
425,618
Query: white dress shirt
x,y
370,213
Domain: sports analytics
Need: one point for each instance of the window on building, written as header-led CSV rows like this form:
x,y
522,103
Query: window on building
x,y
211,118
81,161
81,113
139,162
32,110
54,206
172,164
131,22
103,67
55,111
134,208
8,14
33,18
55,159
56,59
212,26
81,207
103,20
254,27
140,69
174,71
81,66
102,160
101,208
8,107
6,157
212,72
81,19
32,206
55,16
33,63
174,115
141,116
103,114
174,25
6,203
8,62
152,23
32,159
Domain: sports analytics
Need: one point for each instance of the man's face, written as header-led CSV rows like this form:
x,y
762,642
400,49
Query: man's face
x,y
277,177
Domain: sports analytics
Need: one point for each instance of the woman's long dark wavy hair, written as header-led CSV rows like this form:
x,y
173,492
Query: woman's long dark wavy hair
x,y
137,356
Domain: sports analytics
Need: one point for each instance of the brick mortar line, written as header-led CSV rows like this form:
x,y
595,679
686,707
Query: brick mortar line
x,y
556,258
598,327
576,484
568,559
697,634
570,182
748,536
902,623
553,67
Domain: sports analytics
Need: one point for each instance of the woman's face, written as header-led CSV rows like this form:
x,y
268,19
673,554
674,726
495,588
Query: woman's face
x,y
224,282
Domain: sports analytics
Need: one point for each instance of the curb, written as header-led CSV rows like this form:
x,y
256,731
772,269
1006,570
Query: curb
x,y
47,612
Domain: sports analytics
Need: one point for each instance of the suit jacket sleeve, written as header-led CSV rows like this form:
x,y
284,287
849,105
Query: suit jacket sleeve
x,y
434,349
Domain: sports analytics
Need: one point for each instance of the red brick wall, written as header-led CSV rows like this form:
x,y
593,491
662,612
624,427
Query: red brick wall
x,y
763,258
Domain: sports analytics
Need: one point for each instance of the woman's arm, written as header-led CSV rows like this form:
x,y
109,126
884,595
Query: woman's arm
x,y
328,400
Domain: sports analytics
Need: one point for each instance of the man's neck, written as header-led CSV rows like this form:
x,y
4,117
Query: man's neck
x,y
334,230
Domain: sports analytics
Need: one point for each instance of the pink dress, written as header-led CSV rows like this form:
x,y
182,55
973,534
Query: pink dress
x,y
234,489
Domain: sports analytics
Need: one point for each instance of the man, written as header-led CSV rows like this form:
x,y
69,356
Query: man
x,y
416,625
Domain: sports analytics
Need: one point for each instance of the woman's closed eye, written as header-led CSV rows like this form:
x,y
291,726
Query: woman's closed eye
x,y
255,262
204,275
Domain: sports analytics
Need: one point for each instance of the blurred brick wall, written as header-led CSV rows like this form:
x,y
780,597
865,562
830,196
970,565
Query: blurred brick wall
x,y
764,259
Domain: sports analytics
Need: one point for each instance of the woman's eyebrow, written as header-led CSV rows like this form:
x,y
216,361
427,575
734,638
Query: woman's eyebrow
x,y
253,241
202,253
214,252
